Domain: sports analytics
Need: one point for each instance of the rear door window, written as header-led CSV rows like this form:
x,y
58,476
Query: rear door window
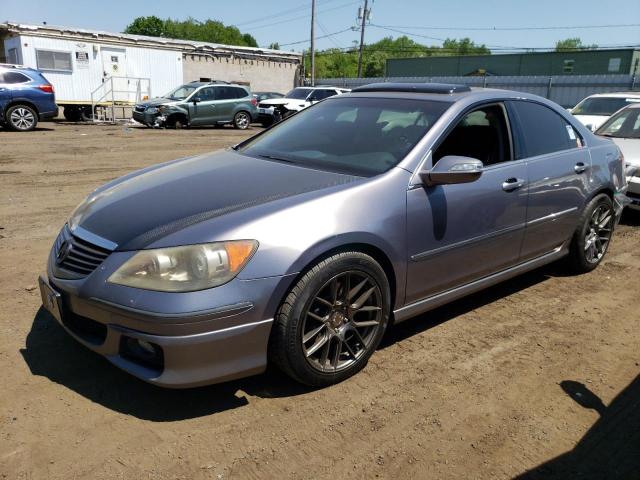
x,y
543,131
15,77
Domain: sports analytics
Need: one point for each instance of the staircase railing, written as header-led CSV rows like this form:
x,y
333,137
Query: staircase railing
x,y
118,92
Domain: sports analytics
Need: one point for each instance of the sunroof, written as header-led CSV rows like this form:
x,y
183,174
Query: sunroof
x,y
446,88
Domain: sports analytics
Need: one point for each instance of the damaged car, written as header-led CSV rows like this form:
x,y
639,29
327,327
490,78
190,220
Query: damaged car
x,y
199,104
276,109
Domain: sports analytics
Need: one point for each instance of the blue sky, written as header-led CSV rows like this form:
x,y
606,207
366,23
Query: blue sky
x,y
287,21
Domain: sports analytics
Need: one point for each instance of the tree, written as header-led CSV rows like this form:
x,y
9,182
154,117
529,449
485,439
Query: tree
x,y
335,62
274,46
212,31
463,46
150,26
572,44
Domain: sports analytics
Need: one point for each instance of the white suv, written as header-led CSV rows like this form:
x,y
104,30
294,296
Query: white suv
x,y
275,109
593,111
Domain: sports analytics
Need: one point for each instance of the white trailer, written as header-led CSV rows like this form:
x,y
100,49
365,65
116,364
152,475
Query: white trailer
x,y
90,69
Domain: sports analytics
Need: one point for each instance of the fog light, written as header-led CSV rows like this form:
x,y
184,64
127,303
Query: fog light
x,y
141,352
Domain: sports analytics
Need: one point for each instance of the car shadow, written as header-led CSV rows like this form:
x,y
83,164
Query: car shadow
x,y
442,314
50,352
610,449
630,218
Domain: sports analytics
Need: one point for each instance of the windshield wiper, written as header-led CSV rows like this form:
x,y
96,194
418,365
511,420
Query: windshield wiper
x,y
278,159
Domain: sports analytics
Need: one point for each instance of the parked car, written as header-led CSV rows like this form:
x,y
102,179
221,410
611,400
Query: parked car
x,y
302,244
26,97
624,129
199,104
594,110
260,96
274,110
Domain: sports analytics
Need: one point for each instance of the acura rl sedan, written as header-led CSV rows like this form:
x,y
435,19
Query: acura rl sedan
x,y
301,245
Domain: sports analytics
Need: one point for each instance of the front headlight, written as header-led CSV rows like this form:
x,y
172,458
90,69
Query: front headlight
x,y
152,110
185,269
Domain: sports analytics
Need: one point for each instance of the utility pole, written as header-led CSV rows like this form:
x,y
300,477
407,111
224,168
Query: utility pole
x,y
313,42
365,15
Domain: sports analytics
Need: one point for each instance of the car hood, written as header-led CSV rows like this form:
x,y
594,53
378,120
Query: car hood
x,y
154,102
146,206
630,148
281,101
592,121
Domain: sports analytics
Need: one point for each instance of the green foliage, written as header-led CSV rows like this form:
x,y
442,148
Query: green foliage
x,y
274,46
190,29
335,62
572,44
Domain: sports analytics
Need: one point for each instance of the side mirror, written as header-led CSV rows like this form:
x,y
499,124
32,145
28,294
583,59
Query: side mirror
x,y
453,169
196,100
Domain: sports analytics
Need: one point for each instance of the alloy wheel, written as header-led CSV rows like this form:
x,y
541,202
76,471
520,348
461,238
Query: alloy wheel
x,y
598,233
341,321
22,118
242,120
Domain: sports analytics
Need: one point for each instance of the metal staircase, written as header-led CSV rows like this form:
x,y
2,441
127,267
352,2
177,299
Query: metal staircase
x,y
113,99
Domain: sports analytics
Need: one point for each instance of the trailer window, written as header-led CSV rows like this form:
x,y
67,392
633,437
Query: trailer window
x,y
50,60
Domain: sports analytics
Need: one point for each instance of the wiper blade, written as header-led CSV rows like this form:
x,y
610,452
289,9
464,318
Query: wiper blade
x,y
278,159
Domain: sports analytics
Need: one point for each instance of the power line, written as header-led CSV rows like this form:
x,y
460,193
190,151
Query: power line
x,y
329,35
484,29
317,38
282,13
287,20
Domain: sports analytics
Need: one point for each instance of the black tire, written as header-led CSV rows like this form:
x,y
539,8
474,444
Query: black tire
x,y
179,123
72,114
86,114
287,347
21,118
242,120
585,254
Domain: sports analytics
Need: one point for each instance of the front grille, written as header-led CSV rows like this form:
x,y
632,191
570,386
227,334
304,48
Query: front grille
x,y
79,257
264,105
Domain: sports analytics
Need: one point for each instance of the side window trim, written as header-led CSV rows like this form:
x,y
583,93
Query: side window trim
x,y
458,119
523,149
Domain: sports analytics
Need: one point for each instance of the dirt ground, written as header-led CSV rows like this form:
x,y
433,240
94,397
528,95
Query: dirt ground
x,y
536,375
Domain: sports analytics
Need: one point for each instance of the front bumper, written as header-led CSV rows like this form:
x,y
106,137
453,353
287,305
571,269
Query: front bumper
x,y
191,339
180,357
633,190
144,118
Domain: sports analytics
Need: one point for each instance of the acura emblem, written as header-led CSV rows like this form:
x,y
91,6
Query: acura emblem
x,y
63,251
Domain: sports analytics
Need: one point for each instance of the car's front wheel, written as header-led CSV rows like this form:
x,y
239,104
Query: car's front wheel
x,y
242,120
21,118
593,235
332,320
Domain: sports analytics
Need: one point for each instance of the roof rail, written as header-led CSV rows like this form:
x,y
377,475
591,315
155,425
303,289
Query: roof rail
x,y
446,88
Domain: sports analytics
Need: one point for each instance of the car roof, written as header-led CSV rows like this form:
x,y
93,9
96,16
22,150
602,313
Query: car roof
x,y
617,95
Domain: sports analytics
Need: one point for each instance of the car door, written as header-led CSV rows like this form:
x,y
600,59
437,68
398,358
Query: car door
x,y
558,168
226,100
5,94
204,111
459,233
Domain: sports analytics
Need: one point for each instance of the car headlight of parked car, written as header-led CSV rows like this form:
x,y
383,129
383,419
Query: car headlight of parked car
x,y
187,268
152,110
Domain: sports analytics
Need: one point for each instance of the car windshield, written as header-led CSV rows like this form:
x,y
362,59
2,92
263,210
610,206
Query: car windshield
x,y
360,136
626,124
299,93
181,92
602,105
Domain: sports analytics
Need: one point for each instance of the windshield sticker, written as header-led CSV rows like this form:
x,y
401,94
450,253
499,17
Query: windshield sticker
x,y
572,134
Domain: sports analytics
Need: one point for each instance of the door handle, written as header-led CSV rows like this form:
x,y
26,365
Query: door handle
x,y
580,167
511,184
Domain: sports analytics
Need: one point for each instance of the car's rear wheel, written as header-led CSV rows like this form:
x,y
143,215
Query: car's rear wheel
x,y
332,320
593,235
21,118
242,120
